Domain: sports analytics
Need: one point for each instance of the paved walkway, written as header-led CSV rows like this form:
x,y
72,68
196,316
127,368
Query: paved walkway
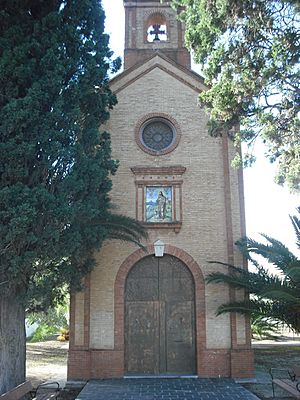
x,y
164,389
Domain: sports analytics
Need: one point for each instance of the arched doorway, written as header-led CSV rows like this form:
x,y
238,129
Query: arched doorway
x,y
160,317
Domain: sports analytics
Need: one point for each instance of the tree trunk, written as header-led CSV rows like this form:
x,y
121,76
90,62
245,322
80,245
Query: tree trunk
x,y
12,341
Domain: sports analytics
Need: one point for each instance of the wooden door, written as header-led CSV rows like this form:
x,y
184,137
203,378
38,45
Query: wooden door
x,y
160,318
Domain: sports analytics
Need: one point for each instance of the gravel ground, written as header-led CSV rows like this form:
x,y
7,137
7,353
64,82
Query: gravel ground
x,y
47,361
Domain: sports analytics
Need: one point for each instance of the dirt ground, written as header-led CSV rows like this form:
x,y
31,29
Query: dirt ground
x,y
47,361
269,354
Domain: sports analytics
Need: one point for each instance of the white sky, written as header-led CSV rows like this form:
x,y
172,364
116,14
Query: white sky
x,y
267,204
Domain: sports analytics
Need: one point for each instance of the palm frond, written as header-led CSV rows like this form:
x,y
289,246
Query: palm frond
x,y
288,314
271,296
275,252
126,238
263,327
276,311
296,224
254,283
239,307
293,272
279,294
121,227
233,280
246,307
224,264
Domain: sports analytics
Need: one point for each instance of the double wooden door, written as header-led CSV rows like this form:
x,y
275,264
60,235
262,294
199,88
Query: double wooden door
x,y
160,318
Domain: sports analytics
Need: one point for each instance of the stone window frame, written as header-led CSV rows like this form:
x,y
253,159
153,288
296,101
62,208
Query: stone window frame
x,y
160,177
156,116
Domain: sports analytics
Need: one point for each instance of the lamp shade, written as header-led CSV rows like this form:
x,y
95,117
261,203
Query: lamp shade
x,y
159,248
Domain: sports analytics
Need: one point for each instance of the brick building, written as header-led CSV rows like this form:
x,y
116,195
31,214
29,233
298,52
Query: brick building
x,y
141,313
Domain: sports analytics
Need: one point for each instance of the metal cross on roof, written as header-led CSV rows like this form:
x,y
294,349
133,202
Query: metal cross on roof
x,y
157,31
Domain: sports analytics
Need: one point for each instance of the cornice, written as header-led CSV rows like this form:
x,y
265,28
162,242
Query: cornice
x,y
171,170
193,80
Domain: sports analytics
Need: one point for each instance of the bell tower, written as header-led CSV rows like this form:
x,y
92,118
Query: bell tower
x,y
152,26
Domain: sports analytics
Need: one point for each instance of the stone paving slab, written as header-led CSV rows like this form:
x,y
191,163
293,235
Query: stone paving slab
x,y
164,389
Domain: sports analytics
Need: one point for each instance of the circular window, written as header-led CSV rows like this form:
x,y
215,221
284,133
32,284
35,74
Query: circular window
x,y
157,134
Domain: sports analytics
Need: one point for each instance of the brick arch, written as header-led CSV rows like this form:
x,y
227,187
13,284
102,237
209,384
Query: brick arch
x,y
155,11
156,18
119,291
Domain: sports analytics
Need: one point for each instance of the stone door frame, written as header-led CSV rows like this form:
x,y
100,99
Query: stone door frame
x,y
119,301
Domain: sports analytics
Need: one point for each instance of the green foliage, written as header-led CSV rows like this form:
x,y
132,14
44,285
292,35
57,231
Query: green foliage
x,y
270,296
56,317
52,321
42,333
55,163
263,328
249,51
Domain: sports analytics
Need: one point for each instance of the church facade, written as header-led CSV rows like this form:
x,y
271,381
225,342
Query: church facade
x,y
151,312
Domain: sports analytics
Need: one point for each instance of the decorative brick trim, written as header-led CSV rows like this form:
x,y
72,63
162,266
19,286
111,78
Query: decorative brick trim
x,y
72,320
180,34
243,231
229,233
158,182
163,225
127,16
241,356
148,117
181,79
196,272
178,76
87,298
172,170
133,29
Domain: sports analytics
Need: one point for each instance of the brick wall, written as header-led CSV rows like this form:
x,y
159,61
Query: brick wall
x,y
138,49
212,208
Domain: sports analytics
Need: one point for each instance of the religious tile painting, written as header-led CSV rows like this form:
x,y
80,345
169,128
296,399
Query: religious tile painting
x,y
158,207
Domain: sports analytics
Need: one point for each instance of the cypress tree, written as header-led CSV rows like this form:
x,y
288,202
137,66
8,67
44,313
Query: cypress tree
x,y
55,161
250,58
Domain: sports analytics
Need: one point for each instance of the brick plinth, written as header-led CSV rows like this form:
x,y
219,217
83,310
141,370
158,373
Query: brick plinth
x,y
214,363
107,364
217,363
79,365
242,363
90,364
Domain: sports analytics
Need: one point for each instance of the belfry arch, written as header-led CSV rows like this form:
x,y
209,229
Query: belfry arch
x,y
156,28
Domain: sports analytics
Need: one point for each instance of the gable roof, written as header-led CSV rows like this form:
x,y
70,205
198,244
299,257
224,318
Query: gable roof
x,y
158,60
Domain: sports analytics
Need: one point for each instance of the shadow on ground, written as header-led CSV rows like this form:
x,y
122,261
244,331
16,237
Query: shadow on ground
x,y
48,361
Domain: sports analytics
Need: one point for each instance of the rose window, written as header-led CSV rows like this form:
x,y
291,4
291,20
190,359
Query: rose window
x,y
157,135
